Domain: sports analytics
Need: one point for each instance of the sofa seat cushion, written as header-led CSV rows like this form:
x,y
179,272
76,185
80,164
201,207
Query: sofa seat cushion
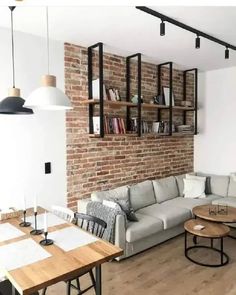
x,y
218,184
142,195
165,189
121,192
145,227
170,215
230,201
191,203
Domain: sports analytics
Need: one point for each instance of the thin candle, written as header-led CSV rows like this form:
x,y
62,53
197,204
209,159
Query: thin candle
x,y
24,203
35,205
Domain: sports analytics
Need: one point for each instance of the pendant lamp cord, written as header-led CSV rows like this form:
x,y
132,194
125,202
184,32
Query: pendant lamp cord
x,y
48,49
13,48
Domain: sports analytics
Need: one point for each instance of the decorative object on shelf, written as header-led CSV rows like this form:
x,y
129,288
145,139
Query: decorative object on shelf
x,y
96,89
158,99
166,93
212,210
24,223
155,127
13,104
48,97
186,103
134,99
46,241
9,213
222,209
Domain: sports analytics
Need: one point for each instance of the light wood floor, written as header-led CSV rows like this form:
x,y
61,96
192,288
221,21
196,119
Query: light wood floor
x,y
164,270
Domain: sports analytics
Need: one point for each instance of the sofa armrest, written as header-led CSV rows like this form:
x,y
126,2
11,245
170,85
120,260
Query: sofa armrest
x,y
120,233
82,205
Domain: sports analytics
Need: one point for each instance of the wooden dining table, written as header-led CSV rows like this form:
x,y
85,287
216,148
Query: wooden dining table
x,y
61,265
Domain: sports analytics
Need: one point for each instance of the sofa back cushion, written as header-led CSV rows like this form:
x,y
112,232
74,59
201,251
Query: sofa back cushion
x,y
121,192
217,184
180,184
165,189
142,195
232,187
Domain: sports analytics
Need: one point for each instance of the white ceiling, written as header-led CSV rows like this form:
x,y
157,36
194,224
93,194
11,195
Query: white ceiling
x,y
126,30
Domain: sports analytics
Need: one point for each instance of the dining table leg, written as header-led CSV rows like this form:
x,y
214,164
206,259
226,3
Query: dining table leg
x,y
98,280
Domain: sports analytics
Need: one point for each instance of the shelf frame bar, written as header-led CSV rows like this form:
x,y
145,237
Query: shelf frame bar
x,y
139,104
159,91
98,45
195,70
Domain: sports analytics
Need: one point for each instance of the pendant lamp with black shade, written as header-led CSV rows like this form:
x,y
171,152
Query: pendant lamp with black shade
x,y
14,103
48,96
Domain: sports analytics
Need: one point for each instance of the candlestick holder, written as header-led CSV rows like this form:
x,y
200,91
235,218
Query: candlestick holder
x,y
46,241
25,223
36,231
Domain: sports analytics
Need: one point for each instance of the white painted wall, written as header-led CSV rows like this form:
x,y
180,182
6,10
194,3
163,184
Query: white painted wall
x,y
215,146
26,142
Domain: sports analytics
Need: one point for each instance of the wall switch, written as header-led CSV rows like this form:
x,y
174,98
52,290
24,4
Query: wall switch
x,y
48,169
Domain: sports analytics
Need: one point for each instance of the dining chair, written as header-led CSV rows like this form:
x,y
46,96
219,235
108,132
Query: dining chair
x,y
95,226
64,213
6,288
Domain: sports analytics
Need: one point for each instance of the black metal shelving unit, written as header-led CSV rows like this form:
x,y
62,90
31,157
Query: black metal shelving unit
x,y
139,104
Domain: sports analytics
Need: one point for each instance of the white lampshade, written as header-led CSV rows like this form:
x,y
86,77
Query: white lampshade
x,y
48,97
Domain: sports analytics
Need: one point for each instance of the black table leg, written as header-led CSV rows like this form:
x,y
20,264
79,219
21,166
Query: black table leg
x,y
98,280
222,250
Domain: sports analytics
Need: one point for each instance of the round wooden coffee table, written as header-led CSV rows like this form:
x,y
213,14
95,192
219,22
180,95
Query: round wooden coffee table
x,y
204,213
211,231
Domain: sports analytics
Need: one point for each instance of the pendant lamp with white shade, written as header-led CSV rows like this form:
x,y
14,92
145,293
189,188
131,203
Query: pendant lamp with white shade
x,y
48,96
14,103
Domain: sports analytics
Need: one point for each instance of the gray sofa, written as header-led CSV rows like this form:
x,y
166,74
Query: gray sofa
x,y
161,209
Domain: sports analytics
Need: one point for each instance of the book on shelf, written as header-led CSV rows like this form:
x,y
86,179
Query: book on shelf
x,y
113,94
114,125
96,89
96,125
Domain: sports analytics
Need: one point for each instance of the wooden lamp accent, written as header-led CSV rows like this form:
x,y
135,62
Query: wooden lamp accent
x,y
49,80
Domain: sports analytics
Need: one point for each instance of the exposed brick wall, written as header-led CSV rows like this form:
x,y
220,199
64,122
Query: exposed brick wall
x,y
94,163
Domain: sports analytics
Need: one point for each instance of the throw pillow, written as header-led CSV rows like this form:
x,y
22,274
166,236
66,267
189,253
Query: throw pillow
x,y
124,204
194,188
207,180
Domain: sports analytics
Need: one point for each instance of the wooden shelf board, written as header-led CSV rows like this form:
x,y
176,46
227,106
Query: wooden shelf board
x,y
111,103
183,108
154,106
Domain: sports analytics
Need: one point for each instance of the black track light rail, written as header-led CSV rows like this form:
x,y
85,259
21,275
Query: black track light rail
x,y
185,27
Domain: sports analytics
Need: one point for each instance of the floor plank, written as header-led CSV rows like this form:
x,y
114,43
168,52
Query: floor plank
x,y
164,270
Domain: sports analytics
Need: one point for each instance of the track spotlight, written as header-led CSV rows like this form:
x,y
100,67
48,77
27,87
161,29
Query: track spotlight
x,y
162,28
197,42
226,53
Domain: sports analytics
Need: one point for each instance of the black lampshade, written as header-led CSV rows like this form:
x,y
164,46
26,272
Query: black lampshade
x,y
13,105
197,42
162,28
227,53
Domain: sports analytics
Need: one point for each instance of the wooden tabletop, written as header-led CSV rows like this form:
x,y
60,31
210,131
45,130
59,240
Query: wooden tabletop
x,y
203,212
210,230
61,265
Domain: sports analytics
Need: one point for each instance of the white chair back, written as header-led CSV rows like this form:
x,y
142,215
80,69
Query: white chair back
x,y
64,213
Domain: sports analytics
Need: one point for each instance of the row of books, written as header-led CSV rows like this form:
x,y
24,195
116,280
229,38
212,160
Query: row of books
x,y
114,125
108,93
